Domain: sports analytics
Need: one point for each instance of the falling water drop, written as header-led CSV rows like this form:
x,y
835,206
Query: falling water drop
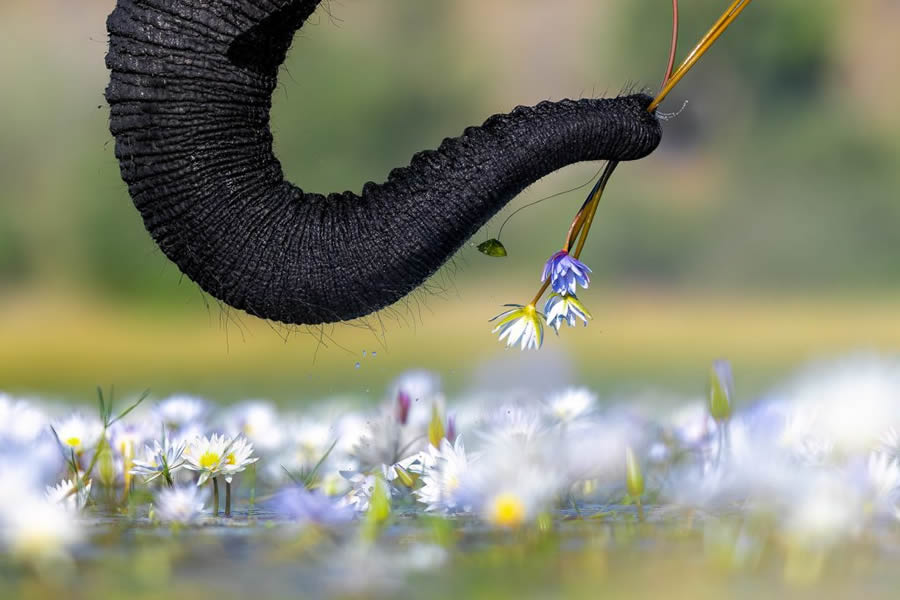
x,y
356,365
374,354
364,353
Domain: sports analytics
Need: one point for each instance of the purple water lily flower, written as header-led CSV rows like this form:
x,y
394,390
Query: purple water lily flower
x,y
566,273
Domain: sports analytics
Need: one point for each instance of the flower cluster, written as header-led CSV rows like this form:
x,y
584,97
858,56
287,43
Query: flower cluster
x,y
524,325
820,453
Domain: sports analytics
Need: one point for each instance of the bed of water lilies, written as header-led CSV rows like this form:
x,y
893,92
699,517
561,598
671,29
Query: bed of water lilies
x,y
499,495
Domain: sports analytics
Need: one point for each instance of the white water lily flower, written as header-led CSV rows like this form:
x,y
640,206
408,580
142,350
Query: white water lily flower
x,y
159,459
442,475
180,504
522,325
207,455
218,455
77,433
238,457
565,309
65,494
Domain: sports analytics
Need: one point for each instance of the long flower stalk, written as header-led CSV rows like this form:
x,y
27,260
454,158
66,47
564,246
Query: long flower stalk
x,y
581,224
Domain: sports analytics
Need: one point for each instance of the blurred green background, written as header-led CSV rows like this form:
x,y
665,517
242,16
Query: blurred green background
x,y
764,229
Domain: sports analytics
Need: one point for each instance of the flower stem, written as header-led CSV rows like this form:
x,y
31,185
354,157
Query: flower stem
x,y
700,49
594,202
674,47
575,227
215,481
227,498
540,293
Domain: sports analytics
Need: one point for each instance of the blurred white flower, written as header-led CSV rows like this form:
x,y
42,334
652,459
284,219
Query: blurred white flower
x,y
34,528
177,412
362,487
387,442
20,420
77,432
511,483
845,405
442,476
66,495
592,448
423,388
182,504
883,477
125,439
307,506
571,404
511,422
259,422
889,442
825,512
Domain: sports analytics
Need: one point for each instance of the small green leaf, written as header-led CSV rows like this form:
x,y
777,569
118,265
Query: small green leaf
x,y
379,511
310,479
492,247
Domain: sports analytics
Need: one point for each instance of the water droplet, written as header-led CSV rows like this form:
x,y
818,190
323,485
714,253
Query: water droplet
x,y
356,365
364,352
374,354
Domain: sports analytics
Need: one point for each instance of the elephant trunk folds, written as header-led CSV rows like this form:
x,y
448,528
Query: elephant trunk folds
x,y
190,94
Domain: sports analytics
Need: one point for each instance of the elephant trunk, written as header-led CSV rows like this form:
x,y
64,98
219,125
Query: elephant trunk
x,y
190,94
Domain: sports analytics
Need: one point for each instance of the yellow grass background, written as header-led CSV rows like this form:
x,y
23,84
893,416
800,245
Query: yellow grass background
x,y
637,335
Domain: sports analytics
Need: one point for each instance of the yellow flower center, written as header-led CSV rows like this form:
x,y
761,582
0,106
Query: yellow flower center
x,y
507,511
74,441
230,459
209,459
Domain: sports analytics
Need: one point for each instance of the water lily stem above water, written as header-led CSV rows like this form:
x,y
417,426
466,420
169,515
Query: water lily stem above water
x,y
227,498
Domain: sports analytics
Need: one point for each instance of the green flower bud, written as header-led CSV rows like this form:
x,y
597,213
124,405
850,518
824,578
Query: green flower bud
x,y
721,390
435,427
